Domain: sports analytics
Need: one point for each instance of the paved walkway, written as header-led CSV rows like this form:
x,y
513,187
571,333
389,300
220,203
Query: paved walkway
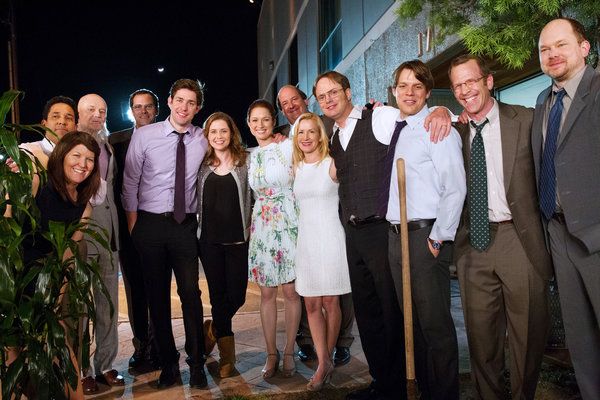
x,y
251,358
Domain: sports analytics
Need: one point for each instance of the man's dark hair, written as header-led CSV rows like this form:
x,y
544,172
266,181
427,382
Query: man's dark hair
x,y
300,92
144,91
334,76
59,100
191,84
465,58
421,71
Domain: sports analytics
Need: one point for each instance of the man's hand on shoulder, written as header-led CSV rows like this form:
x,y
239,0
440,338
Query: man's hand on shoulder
x,y
438,123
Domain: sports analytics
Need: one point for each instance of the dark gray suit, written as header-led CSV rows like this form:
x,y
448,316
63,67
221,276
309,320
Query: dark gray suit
x,y
575,242
504,288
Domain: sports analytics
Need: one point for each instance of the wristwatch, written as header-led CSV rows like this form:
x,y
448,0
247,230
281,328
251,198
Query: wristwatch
x,y
435,244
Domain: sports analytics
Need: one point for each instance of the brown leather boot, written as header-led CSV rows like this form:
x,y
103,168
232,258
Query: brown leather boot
x,y
227,356
209,337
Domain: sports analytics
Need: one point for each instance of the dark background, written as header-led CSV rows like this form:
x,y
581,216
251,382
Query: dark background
x,y
113,48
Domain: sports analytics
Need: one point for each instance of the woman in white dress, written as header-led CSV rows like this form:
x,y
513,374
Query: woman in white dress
x,y
321,263
273,234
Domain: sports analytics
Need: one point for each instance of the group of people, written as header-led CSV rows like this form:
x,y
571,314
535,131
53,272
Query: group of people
x,y
314,209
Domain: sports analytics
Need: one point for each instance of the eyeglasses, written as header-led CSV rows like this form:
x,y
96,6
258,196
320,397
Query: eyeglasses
x,y
469,83
333,94
139,107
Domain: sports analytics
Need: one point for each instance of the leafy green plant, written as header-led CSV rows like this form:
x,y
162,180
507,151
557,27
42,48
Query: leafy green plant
x,y
34,323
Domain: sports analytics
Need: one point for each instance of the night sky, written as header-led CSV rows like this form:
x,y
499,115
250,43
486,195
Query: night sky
x,y
113,48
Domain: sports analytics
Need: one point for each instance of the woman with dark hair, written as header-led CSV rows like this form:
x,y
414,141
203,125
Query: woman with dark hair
x,y
273,234
73,178
224,228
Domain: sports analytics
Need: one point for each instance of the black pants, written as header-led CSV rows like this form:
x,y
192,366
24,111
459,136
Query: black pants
x,y
376,309
436,346
226,270
135,291
165,247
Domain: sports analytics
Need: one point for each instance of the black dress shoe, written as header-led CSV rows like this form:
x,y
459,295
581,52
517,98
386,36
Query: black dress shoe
x,y
342,356
168,376
198,377
307,353
137,359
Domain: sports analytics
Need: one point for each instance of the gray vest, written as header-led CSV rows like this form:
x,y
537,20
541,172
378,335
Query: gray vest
x,y
359,169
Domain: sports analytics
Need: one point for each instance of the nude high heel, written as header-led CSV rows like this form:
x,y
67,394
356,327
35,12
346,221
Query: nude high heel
x,y
314,386
288,372
270,372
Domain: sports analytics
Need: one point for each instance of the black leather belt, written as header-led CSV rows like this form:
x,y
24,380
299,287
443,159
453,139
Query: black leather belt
x,y
358,222
166,214
413,225
508,221
559,217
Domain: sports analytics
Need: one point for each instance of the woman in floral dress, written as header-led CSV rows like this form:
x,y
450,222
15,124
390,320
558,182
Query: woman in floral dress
x,y
273,234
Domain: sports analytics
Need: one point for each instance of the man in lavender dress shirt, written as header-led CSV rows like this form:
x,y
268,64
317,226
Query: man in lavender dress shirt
x,y
164,244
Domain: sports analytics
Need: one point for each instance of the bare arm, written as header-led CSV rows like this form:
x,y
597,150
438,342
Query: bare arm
x,y
333,171
131,219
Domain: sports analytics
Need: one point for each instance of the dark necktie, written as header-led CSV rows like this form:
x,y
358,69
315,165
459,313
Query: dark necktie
x,y
388,164
547,171
179,201
478,196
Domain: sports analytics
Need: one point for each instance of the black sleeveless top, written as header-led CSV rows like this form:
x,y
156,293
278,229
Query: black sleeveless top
x,y
221,214
52,208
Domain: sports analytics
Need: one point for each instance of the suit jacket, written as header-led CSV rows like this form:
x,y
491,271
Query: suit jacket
x,y
519,186
120,143
105,213
577,159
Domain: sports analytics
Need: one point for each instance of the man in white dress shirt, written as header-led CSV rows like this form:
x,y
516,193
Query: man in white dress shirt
x,y
436,189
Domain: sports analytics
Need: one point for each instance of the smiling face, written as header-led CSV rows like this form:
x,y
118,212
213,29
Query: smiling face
x,y
78,165
219,135
471,89
308,137
292,104
61,119
335,102
411,94
184,106
562,54
92,113
143,109
261,123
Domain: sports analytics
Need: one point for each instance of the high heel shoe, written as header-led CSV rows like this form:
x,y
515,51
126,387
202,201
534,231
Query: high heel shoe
x,y
314,386
270,372
288,372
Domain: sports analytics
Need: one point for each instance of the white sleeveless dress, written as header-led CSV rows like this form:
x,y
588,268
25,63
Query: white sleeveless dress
x,y
321,263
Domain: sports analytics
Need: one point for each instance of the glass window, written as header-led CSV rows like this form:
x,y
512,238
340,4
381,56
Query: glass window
x,y
525,92
330,34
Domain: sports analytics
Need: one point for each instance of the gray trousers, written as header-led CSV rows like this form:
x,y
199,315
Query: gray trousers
x,y
107,342
502,294
578,277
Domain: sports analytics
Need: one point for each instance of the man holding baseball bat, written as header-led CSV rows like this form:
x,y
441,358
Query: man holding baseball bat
x,y
435,193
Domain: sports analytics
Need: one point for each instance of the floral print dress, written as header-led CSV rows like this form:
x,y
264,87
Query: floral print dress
x,y
274,227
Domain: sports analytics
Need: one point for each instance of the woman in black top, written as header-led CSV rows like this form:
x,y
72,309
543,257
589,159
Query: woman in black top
x,y
224,222
73,179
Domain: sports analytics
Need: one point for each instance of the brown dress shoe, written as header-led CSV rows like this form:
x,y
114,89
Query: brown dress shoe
x,y
111,378
89,385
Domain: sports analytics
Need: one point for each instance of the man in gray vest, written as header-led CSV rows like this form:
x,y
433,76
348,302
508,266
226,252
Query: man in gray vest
x,y
566,152
92,117
359,146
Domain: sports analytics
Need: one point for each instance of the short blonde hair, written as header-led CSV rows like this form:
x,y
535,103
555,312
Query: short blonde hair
x,y
323,147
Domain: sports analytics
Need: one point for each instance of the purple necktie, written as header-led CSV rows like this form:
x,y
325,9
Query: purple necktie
x,y
384,192
179,206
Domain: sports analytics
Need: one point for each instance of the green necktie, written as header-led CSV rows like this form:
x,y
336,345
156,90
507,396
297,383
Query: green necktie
x,y
478,197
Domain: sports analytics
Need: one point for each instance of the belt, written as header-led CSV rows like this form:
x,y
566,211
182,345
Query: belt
x,y
559,217
358,222
165,214
507,222
413,225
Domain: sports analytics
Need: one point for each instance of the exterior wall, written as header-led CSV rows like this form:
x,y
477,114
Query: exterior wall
x,y
374,43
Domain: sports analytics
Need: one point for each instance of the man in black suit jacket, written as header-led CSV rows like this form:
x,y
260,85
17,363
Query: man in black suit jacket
x,y
292,102
566,153
144,106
